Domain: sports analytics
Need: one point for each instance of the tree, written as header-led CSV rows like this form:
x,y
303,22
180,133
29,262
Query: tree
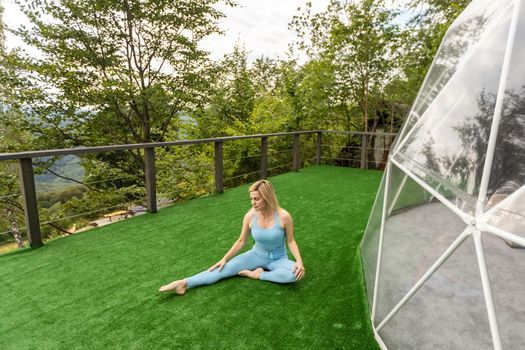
x,y
110,72
356,43
10,204
231,100
11,140
438,11
461,168
421,40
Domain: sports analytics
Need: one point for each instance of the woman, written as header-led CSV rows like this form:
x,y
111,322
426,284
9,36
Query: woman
x,y
269,225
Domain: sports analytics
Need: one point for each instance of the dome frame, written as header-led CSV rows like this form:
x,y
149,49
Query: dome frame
x,y
478,222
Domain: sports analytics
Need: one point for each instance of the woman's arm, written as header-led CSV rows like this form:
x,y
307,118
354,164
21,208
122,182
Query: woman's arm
x,y
238,245
298,268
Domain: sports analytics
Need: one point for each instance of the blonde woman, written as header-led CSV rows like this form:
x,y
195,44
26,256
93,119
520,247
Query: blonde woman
x,y
270,226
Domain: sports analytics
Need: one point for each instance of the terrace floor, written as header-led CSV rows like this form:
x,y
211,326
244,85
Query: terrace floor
x,y
98,289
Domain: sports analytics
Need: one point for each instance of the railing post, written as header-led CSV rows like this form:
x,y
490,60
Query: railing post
x,y
364,163
296,160
318,151
264,157
27,180
218,167
151,179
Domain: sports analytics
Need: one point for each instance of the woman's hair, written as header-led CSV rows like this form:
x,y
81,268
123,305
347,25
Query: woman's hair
x,y
265,188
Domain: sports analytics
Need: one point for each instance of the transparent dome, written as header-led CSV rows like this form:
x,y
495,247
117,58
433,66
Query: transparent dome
x,y
444,249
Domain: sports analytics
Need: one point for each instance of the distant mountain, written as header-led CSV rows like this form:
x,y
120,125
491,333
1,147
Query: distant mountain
x,y
68,166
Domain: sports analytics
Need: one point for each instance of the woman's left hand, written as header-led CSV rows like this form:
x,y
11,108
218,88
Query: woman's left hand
x,y
298,270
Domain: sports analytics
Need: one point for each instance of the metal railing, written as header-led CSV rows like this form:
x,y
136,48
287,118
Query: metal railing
x,y
27,178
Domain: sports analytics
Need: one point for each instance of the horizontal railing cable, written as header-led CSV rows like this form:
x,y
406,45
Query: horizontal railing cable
x,y
130,176
193,166
120,205
11,195
342,147
336,158
11,231
358,133
280,151
280,166
85,184
39,164
245,157
181,190
241,175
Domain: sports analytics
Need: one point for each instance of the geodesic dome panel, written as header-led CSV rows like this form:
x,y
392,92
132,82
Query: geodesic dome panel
x,y
448,310
448,142
444,249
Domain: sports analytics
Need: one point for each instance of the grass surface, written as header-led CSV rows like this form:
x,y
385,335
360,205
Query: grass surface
x,y
99,289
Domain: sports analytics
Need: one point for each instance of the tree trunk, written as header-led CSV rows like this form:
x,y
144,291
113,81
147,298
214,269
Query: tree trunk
x,y
365,101
14,229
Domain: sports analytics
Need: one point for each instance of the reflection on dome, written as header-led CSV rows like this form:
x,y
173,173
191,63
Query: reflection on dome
x,y
444,249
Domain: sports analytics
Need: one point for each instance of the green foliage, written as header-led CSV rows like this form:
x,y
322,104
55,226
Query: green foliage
x,y
232,98
248,99
12,139
119,71
434,13
315,94
50,198
271,113
10,200
421,40
356,47
185,172
110,71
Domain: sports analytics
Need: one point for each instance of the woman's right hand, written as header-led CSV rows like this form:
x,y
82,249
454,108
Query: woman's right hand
x,y
219,265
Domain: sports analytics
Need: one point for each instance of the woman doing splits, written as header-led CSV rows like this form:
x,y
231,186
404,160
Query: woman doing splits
x,y
270,225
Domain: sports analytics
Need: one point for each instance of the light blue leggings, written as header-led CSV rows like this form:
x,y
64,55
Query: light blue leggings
x,y
279,269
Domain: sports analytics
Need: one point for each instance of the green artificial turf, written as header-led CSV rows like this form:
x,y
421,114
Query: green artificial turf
x,y
98,289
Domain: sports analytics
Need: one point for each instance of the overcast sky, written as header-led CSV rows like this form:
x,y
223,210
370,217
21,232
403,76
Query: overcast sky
x,y
260,25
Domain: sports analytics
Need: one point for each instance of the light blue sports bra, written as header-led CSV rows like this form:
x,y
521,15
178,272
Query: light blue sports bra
x,y
269,241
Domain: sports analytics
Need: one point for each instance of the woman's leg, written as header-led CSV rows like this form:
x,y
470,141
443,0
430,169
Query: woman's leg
x,y
280,271
248,260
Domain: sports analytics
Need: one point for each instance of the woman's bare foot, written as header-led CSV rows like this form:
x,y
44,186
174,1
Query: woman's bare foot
x,y
255,274
179,287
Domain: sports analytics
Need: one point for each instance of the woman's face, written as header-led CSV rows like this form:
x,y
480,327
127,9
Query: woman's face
x,y
258,202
